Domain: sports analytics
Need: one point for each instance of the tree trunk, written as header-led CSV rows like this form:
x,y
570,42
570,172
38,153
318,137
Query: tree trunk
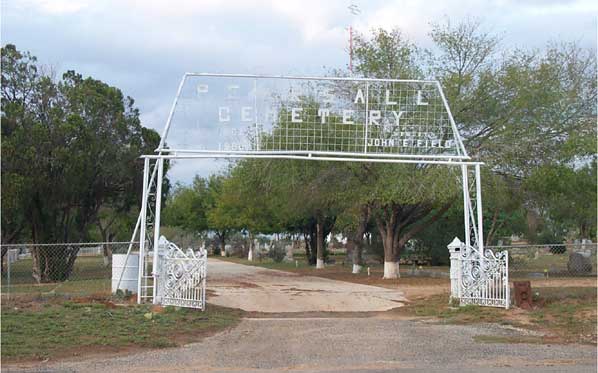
x,y
107,251
4,251
222,237
320,241
106,237
306,241
493,228
533,221
356,240
388,228
251,247
53,263
391,268
583,230
36,258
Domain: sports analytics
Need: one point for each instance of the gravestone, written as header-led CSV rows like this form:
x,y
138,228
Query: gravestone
x,y
289,253
579,264
226,250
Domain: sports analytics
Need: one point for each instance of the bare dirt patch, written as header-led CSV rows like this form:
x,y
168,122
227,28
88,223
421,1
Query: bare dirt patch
x,y
412,287
278,291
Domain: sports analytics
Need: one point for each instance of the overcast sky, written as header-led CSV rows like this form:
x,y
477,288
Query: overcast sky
x,y
143,47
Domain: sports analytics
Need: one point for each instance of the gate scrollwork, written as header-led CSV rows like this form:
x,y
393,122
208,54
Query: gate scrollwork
x,y
183,276
484,278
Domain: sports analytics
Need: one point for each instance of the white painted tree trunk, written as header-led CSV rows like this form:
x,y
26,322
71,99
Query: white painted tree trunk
x,y
250,254
222,252
357,268
320,264
391,270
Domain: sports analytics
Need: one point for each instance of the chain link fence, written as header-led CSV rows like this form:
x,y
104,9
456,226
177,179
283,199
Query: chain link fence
x,y
31,271
550,261
85,269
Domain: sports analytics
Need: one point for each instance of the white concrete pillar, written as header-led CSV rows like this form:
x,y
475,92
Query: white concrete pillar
x,y
455,248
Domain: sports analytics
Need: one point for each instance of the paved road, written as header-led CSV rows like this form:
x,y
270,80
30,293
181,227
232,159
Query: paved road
x,y
384,342
264,290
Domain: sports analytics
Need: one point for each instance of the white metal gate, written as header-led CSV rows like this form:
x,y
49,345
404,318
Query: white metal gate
x,y
484,279
182,276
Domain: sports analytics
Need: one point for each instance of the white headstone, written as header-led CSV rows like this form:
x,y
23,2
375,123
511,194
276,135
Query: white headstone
x,y
12,255
289,253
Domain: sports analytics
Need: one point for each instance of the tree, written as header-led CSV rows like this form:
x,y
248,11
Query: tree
x,y
187,207
305,194
404,199
71,148
566,198
519,110
386,55
502,205
354,222
246,197
221,216
264,196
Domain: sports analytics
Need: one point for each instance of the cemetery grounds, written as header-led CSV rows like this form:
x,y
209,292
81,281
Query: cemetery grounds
x,y
80,319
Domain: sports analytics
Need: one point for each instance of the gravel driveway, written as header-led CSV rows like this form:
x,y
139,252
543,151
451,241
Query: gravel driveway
x,y
375,342
348,344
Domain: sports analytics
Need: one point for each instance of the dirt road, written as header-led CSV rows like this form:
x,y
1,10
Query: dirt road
x,y
372,342
348,344
264,290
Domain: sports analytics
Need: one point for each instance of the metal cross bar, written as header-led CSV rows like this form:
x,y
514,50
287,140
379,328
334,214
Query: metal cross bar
x,y
310,157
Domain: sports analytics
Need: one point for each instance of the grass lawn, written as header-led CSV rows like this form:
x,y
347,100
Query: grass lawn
x,y
564,315
51,329
85,268
89,276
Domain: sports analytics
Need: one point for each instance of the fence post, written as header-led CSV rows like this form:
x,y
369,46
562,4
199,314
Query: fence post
x,y
157,213
8,267
12,255
507,284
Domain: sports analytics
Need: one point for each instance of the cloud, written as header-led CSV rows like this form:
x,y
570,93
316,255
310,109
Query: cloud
x,y
144,47
55,7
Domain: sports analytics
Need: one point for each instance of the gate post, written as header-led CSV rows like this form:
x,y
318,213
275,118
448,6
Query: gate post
x,y
455,252
478,195
466,206
142,228
155,264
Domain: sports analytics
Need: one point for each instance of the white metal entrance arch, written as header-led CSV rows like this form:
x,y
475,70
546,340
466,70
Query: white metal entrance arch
x,y
312,118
